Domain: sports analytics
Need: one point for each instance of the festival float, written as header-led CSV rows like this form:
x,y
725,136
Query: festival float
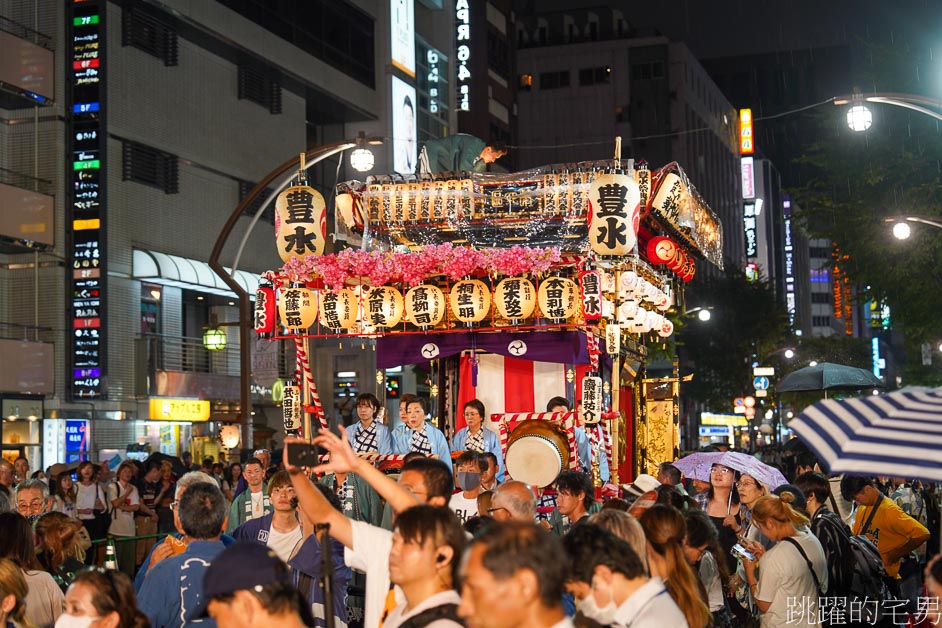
x,y
573,270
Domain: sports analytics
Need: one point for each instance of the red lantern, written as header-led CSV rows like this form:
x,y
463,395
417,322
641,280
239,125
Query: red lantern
x,y
661,250
680,258
689,270
265,311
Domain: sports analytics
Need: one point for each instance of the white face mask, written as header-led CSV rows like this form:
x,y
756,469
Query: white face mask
x,y
74,621
605,615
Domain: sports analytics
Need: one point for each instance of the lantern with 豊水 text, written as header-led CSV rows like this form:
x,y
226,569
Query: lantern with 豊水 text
x,y
590,285
614,214
515,298
425,305
297,307
291,409
384,307
264,314
301,222
470,300
338,309
558,298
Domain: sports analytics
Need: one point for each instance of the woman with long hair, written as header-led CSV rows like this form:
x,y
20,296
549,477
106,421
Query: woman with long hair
x,y
794,569
13,592
701,548
64,492
44,599
626,527
105,598
56,539
91,504
721,502
665,531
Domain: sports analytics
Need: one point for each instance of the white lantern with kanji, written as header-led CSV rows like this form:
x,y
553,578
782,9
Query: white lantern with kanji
x,y
515,298
670,198
614,214
470,300
301,223
591,408
338,309
297,308
612,339
425,305
558,298
291,409
383,307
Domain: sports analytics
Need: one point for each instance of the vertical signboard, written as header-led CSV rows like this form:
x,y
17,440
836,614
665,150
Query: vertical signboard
x,y
791,298
463,53
405,144
402,35
85,202
747,144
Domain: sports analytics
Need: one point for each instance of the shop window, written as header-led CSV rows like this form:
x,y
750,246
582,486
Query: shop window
x,y
526,82
554,80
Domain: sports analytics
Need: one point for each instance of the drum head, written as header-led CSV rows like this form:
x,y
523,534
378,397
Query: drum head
x,y
534,459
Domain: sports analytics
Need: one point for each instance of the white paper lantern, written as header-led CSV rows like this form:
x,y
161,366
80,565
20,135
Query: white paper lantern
x,y
425,305
301,227
515,298
470,300
297,308
558,298
613,214
383,307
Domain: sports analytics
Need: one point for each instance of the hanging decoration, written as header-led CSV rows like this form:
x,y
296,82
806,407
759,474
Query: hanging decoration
x,y
515,298
338,309
298,308
425,306
264,311
291,410
384,307
470,300
301,220
558,298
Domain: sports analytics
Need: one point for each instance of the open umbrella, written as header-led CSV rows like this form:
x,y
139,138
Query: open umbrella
x,y
898,434
828,376
697,466
177,465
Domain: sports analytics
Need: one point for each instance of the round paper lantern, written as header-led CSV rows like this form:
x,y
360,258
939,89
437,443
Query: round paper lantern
x,y
613,214
661,250
515,298
662,301
558,298
425,305
470,300
666,328
384,307
297,307
608,309
627,282
680,258
301,227
627,311
338,309
689,270
671,198
264,318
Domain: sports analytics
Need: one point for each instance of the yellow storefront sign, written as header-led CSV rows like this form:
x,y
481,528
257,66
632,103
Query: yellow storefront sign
x,y
709,418
168,409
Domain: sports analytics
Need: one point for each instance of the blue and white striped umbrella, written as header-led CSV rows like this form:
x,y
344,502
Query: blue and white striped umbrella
x,y
898,434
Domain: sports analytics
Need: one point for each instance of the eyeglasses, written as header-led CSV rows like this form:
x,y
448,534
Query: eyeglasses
x,y
720,470
742,484
491,511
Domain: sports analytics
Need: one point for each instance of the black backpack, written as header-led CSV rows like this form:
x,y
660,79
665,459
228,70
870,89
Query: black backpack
x,y
426,617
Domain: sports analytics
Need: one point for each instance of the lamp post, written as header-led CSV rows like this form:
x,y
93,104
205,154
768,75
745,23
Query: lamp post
x,y
901,228
860,118
704,313
283,174
764,374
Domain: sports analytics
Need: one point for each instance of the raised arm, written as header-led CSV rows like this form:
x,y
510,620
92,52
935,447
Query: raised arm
x,y
344,460
314,505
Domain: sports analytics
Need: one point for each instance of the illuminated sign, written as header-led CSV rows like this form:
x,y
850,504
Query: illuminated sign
x,y
402,35
878,363
463,53
749,229
405,142
85,203
167,409
433,58
710,418
746,140
76,437
748,174
790,296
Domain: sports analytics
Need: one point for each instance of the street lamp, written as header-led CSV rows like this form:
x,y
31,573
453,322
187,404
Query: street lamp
x,y
859,117
901,228
703,313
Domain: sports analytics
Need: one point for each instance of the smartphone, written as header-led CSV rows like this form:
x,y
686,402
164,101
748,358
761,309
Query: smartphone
x,y
741,552
304,454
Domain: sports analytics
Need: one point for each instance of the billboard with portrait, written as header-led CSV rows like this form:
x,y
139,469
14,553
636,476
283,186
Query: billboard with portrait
x,y
405,144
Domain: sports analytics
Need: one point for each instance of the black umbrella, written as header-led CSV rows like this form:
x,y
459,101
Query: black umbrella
x,y
176,464
827,376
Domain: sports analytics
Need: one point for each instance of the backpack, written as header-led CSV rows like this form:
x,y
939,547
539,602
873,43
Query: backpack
x,y
429,615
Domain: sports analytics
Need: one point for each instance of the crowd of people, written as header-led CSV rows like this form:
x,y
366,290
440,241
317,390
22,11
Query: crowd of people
x,y
448,543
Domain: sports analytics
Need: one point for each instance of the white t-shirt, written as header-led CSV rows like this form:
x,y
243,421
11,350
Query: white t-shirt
x,y
85,499
122,521
370,555
650,607
786,582
283,543
463,507
258,504
44,599
399,614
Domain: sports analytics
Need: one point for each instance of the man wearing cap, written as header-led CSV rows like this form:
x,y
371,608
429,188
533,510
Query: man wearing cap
x,y
173,588
237,597
642,493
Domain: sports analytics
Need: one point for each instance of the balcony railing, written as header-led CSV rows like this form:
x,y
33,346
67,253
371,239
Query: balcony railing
x,y
180,353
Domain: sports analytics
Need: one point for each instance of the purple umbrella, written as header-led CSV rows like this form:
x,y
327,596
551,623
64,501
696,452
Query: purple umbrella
x,y
697,465
745,463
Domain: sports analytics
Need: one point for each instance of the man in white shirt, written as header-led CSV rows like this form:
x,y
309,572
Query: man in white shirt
x,y
280,529
513,575
421,481
607,578
252,503
470,466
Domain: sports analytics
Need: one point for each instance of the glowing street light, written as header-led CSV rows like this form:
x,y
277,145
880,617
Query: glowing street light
x,y
901,228
703,313
859,118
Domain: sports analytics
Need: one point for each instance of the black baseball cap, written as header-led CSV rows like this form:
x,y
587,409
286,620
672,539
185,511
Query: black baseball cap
x,y
244,565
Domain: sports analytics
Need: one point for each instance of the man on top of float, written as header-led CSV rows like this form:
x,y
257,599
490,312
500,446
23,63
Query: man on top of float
x,y
459,153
